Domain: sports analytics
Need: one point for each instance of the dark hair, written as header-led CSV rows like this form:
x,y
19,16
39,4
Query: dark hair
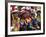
x,y
38,12
32,7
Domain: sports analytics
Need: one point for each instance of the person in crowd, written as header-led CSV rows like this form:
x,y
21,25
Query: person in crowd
x,y
39,15
16,22
22,25
35,22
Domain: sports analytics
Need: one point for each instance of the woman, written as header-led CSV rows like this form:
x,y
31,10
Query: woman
x,y
16,22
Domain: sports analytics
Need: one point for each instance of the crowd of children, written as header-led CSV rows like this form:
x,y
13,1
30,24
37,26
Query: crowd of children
x,y
25,18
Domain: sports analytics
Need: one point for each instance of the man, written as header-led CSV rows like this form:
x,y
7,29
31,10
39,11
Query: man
x,y
22,25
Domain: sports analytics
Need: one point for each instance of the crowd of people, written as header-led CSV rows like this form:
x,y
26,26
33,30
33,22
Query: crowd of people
x,y
25,18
